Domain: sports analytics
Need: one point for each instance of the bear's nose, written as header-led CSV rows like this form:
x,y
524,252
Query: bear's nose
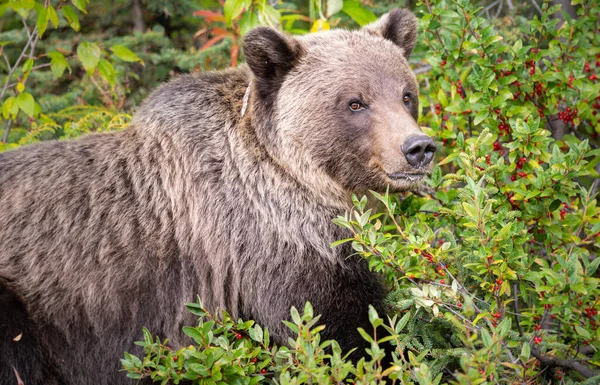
x,y
418,150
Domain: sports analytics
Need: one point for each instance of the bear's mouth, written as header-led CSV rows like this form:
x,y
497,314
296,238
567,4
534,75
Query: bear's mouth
x,y
411,177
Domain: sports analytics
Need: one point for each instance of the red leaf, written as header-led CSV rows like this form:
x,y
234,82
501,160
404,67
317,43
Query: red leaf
x,y
210,16
212,42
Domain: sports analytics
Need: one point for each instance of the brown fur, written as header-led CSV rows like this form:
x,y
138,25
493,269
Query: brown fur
x,y
103,235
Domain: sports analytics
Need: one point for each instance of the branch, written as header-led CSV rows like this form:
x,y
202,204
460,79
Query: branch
x,y
569,364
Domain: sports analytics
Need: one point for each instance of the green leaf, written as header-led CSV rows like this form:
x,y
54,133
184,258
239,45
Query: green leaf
x,y
402,323
234,8
58,63
42,21
194,333
481,116
525,352
358,13
374,317
365,335
107,71
8,110
247,22
26,103
341,241
89,54
436,176
71,17
486,338
52,16
582,332
554,205
125,54
80,4
28,65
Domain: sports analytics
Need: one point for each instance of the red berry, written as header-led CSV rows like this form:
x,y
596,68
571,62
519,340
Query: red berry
x,y
238,336
513,178
253,359
459,304
263,371
593,77
443,63
499,60
442,281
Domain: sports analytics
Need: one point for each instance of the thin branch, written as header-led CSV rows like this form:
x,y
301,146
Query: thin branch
x,y
26,29
6,130
422,69
537,7
499,10
486,9
41,66
516,307
30,42
6,60
596,183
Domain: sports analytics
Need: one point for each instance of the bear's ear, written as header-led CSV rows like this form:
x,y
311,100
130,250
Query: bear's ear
x,y
270,54
398,26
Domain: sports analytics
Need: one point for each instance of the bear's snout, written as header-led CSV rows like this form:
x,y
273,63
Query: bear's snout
x,y
418,150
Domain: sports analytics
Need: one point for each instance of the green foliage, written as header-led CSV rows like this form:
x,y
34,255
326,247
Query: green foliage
x,y
493,266
238,352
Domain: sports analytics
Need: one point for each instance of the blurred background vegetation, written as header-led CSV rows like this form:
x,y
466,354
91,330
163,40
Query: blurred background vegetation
x,y
47,89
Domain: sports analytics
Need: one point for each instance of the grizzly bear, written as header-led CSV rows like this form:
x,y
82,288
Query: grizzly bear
x,y
224,187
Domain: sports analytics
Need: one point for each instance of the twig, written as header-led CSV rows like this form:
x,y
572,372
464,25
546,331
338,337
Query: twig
x,y
6,131
6,60
486,9
499,10
30,42
422,69
516,307
536,6
41,66
596,183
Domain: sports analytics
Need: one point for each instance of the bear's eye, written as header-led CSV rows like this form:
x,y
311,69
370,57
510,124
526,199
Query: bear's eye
x,y
406,99
356,105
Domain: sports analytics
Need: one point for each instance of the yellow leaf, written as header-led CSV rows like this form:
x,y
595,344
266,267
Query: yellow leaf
x,y
320,25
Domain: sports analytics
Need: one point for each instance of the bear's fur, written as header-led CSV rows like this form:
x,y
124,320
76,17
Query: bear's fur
x,y
111,232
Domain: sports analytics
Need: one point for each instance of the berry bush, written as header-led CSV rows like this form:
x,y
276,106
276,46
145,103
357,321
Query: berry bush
x,y
492,265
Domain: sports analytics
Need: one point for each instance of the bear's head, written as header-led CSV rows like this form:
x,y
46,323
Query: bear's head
x,y
339,108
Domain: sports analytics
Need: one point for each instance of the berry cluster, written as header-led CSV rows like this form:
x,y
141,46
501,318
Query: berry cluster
x,y
460,89
531,65
567,115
